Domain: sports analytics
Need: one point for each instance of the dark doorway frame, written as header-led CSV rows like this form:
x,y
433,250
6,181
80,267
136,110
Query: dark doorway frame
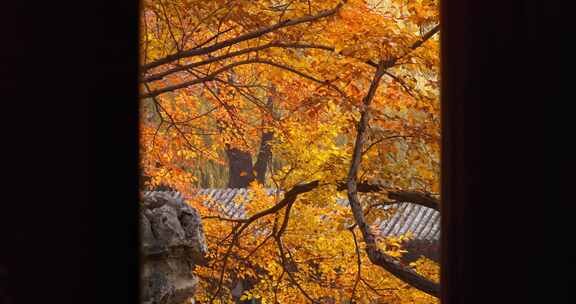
x,y
506,84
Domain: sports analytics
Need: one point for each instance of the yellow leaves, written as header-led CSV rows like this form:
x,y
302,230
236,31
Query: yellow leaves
x,y
391,245
259,199
314,128
186,154
436,187
338,46
425,173
427,268
247,295
310,148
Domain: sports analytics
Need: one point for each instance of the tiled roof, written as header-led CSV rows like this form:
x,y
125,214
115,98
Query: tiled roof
x,y
422,222
225,200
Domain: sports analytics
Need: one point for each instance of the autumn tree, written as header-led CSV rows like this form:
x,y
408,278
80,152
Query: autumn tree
x,y
319,99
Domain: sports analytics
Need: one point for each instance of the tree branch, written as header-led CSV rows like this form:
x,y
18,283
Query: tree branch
x,y
402,83
426,36
212,76
419,198
390,63
358,263
376,255
288,199
161,75
284,263
247,36
381,140
173,123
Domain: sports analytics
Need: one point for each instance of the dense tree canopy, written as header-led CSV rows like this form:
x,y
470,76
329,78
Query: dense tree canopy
x,y
320,99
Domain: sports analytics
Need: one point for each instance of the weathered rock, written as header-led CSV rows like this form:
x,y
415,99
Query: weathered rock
x,y
173,243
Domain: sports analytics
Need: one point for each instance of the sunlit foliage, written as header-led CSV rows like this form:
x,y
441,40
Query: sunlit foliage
x,y
218,74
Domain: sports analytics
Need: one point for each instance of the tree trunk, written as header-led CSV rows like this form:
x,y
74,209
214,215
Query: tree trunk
x,y
242,172
264,157
241,169
265,152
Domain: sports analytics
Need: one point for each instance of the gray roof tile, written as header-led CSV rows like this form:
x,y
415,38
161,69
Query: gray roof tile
x,y
422,222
